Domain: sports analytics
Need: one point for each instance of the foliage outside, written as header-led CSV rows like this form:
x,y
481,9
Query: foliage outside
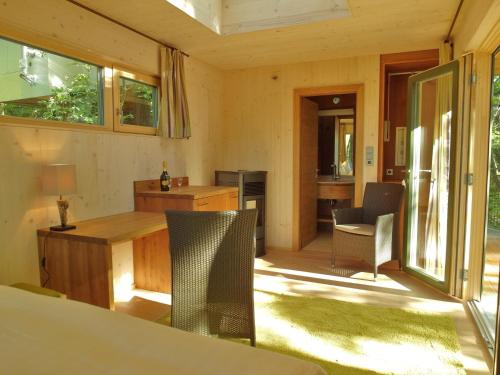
x,y
77,100
136,103
494,193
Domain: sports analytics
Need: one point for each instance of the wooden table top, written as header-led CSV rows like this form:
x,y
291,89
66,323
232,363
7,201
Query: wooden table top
x,y
112,229
189,192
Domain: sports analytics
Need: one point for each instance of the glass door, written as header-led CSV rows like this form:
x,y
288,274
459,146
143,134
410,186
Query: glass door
x,y
487,304
432,120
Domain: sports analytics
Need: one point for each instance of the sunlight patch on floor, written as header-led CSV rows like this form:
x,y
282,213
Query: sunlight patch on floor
x,y
283,285
261,263
163,298
361,278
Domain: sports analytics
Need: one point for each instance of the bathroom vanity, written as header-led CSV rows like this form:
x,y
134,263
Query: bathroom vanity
x,y
333,193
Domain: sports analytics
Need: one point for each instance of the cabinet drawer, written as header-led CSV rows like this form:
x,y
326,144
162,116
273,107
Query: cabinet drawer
x,y
202,204
335,191
213,203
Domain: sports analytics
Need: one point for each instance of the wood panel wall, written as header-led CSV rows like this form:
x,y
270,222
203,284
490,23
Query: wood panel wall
x,y
258,123
107,164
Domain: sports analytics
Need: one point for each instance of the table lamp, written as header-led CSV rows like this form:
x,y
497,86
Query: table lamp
x,y
60,179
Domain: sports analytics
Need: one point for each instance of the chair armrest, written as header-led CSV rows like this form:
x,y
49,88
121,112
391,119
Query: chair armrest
x,y
384,225
347,216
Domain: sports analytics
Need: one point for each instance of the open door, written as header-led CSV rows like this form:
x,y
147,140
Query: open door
x,y
308,172
432,111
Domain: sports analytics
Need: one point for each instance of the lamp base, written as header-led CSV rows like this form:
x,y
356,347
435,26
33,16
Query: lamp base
x,y
61,228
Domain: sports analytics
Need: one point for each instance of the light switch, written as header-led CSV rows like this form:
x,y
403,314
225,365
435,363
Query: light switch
x,y
369,155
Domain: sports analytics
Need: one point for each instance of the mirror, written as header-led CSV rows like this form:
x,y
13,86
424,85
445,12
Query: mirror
x,y
336,134
344,147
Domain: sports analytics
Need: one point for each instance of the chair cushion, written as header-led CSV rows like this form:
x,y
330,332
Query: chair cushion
x,y
360,229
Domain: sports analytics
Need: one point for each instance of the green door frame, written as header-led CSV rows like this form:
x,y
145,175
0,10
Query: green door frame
x,y
412,120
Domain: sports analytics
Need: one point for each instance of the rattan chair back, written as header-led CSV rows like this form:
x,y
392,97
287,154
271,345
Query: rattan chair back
x,y
212,272
381,199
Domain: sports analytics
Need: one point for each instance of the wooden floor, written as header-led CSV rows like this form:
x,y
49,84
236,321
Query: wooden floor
x,y
308,273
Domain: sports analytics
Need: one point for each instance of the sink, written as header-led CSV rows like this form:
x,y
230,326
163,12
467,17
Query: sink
x,y
328,179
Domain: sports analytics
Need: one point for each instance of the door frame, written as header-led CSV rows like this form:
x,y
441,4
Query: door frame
x,y
413,60
298,94
454,67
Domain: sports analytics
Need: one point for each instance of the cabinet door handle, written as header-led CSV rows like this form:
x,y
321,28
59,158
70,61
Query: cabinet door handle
x,y
202,204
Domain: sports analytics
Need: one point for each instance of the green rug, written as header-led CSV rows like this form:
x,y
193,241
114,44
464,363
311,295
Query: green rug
x,y
352,338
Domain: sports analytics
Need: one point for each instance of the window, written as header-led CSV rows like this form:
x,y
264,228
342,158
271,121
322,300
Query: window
x,y
136,103
41,85
487,302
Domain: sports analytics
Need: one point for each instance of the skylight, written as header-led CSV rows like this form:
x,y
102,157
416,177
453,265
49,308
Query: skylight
x,y
227,17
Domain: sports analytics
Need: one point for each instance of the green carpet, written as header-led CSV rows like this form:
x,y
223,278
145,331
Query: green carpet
x,y
352,338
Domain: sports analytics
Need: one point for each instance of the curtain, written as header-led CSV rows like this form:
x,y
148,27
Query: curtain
x,y
437,213
174,111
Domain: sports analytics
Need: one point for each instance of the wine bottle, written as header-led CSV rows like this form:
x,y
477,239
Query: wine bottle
x,y
165,178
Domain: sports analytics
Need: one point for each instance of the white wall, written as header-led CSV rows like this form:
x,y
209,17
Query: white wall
x,y
107,163
258,125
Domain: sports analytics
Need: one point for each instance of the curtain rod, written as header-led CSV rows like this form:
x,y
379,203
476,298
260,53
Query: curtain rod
x,y
76,3
447,40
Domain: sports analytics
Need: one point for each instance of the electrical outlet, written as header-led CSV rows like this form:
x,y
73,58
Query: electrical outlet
x,y
389,172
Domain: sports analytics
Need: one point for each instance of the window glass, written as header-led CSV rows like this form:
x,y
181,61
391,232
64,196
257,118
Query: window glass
x,y
42,85
488,303
138,103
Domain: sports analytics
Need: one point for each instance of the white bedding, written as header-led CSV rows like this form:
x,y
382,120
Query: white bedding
x,y
45,335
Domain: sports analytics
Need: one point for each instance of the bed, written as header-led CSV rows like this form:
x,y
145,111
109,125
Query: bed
x,y
45,335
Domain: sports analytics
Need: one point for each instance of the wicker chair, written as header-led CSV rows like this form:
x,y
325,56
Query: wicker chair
x,y
212,272
369,232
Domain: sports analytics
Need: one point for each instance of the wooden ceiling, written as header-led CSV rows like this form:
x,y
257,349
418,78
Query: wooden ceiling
x,y
382,26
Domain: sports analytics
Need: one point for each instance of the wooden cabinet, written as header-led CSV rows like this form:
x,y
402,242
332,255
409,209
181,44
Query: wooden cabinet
x,y
333,191
340,192
148,197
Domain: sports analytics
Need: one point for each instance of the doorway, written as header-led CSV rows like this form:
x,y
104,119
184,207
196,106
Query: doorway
x,y
395,70
333,115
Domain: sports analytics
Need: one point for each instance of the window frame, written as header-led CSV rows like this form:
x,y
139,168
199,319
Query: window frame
x,y
104,87
118,126
108,86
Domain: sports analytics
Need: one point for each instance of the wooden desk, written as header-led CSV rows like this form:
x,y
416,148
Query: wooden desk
x,y
82,263
148,197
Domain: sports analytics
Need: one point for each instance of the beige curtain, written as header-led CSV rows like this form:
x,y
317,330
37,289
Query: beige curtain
x,y
174,111
437,212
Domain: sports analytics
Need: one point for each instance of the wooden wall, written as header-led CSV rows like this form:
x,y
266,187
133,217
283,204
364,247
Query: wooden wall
x,y
107,163
258,123
475,22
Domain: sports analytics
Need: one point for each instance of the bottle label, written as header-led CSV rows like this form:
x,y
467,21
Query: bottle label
x,y
164,183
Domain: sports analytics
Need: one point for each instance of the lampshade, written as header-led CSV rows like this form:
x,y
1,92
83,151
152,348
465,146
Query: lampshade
x,y
59,179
